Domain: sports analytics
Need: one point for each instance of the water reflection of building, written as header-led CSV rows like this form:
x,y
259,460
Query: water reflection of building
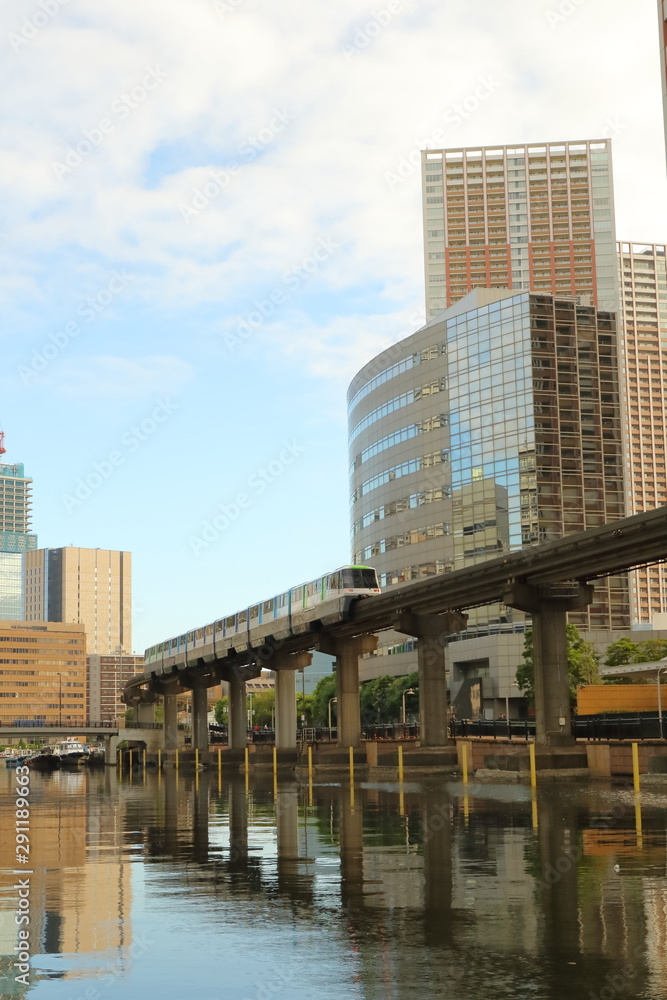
x,y
80,891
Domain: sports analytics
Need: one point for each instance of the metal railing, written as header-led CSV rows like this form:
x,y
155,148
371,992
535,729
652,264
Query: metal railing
x,y
495,729
618,726
71,724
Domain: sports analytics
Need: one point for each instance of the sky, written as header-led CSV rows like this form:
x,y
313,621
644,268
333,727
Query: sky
x,y
212,219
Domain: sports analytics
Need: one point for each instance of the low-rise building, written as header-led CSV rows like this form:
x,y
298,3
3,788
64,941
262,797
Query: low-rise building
x,y
42,673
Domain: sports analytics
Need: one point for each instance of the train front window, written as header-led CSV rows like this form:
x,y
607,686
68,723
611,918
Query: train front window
x,y
359,578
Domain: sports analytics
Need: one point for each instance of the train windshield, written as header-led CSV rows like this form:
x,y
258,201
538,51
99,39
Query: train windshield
x,y
359,578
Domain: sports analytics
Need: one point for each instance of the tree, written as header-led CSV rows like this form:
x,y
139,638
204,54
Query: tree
x,y
324,690
220,711
621,652
651,650
625,651
582,664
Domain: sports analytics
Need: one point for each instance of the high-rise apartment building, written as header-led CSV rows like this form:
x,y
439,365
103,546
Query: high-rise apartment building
x,y
90,586
538,216
643,283
107,675
662,22
42,673
15,538
496,425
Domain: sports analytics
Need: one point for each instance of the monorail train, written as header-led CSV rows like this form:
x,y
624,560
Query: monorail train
x,y
325,600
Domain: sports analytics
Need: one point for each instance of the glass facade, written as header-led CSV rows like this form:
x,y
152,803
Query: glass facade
x,y
530,446
11,586
15,539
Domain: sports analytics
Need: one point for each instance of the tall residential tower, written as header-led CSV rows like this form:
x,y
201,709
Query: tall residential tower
x,y
15,539
643,280
538,216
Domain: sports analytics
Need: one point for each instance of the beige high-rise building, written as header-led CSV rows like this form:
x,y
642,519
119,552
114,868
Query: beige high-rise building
x,y
90,586
536,216
662,24
42,673
643,281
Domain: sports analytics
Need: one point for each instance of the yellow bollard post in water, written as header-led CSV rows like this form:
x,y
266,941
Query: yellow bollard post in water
x,y
196,758
351,763
400,764
635,767
176,760
219,764
246,768
159,759
275,772
143,762
464,762
130,762
533,765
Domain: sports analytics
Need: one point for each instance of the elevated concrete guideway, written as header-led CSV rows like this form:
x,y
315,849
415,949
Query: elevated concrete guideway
x,y
546,581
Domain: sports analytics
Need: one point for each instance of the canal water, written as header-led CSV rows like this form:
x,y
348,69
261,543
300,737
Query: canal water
x,y
213,887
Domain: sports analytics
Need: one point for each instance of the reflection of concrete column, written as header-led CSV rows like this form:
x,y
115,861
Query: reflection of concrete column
x,y
238,822
237,717
437,841
548,604
200,819
170,721
351,852
199,716
431,631
285,666
171,844
287,824
347,653
559,857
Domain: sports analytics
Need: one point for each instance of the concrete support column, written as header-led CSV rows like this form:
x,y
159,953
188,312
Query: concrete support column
x,y
347,653
285,665
286,710
199,717
145,712
548,604
238,722
431,631
170,724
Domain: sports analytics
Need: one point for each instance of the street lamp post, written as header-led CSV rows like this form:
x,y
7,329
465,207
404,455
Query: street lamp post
x,y
407,691
250,712
332,701
662,732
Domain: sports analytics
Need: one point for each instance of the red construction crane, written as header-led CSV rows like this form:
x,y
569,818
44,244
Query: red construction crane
x,y
2,443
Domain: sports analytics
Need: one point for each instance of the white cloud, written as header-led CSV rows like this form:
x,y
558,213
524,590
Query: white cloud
x,y
355,118
107,377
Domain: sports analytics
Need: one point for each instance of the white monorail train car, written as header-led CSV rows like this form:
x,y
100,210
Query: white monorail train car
x,y
325,600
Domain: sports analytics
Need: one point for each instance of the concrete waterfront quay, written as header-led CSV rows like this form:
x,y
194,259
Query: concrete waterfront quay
x,y
483,760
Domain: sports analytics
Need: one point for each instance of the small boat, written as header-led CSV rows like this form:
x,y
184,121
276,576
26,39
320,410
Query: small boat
x,y
71,752
18,760
95,758
47,760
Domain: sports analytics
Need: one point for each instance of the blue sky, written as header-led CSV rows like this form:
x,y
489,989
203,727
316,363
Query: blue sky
x,y
211,221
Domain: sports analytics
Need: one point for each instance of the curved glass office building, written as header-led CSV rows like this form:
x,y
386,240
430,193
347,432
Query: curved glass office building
x,y
497,425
